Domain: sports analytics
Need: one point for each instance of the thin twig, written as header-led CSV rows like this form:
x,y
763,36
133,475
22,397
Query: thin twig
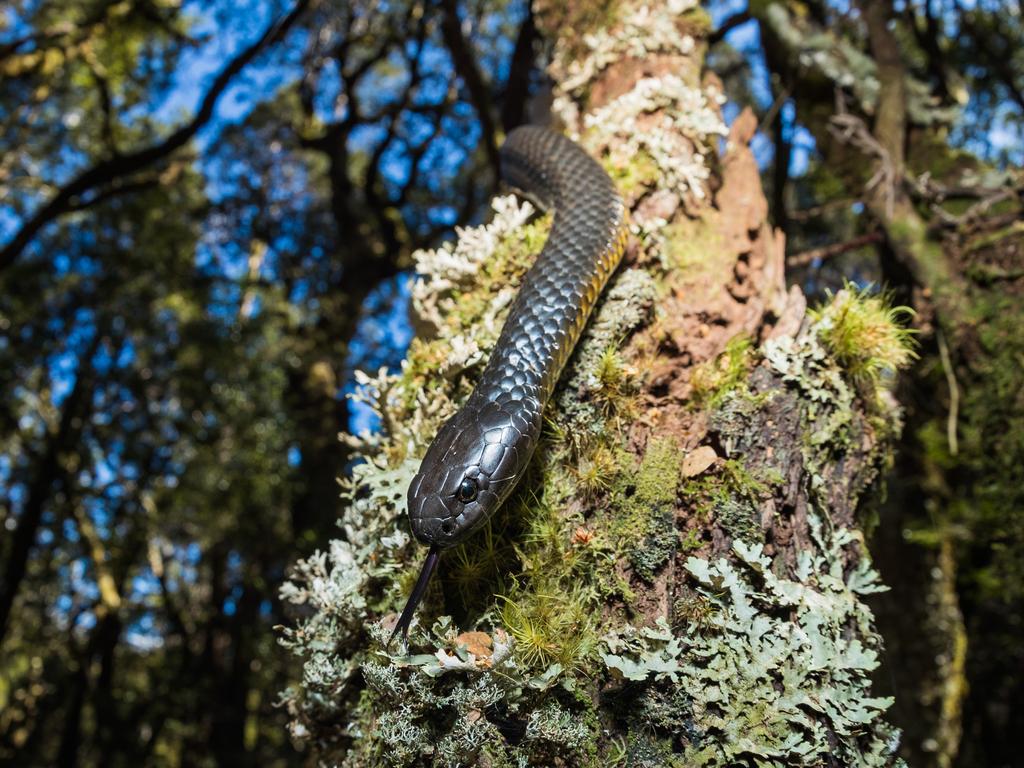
x,y
828,251
736,20
805,214
773,110
849,129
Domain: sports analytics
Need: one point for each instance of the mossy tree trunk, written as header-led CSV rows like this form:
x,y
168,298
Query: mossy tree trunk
x,y
680,578
950,241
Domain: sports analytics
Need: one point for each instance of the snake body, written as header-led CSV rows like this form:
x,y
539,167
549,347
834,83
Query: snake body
x,y
480,453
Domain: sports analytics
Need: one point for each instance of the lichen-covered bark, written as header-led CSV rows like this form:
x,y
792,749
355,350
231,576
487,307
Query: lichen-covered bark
x,y
680,578
953,538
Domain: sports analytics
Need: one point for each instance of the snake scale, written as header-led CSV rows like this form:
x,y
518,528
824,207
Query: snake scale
x,y
481,452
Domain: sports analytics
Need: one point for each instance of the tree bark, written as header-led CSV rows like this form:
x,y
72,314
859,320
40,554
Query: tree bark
x,y
955,489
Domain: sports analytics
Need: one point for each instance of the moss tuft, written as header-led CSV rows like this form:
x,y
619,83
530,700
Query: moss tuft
x,y
865,334
716,379
595,470
549,627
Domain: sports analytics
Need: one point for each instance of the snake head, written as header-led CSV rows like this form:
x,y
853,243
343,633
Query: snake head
x,y
470,469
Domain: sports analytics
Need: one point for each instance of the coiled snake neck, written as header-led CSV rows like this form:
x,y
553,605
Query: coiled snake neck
x,y
481,452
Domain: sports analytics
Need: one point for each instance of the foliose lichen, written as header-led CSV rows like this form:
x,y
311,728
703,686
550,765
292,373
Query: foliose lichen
x,y
769,666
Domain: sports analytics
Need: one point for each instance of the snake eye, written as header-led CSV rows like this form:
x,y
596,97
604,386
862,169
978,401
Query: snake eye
x,y
467,490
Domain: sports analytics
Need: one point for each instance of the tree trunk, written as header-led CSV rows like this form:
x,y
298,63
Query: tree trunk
x,y
952,541
679,577
49,473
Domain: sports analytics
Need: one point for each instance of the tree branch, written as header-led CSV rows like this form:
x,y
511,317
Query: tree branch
x,y
121,166
804,258
464,62
49,472
736,20
517,87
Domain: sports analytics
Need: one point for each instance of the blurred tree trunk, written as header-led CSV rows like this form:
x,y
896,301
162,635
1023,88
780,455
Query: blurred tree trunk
x,y
49,473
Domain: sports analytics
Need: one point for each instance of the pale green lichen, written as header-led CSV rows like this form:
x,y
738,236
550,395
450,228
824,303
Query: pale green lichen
x,y
849,67
829,400
432,707
661,119
772,674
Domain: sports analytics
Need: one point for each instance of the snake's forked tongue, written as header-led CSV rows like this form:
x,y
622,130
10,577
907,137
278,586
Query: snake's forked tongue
x,y
414,599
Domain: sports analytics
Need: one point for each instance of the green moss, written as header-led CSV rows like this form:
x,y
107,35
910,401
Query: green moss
x,y
643,501
694,249
732,497
716,379
699,21
478,566
550,626
865,334
595,470
510,260
640,172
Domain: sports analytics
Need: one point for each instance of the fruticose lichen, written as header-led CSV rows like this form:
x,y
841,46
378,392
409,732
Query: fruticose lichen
x,y
652,139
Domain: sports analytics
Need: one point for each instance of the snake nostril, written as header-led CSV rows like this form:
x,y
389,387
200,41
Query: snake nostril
x,y
446,526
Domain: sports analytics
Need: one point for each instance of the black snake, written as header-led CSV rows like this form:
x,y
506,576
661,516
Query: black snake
x,y
481,452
